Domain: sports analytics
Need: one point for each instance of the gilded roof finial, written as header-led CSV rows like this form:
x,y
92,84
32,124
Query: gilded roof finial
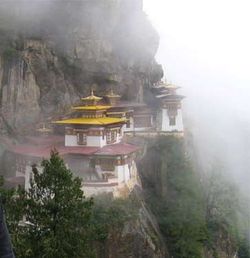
x,y
92,92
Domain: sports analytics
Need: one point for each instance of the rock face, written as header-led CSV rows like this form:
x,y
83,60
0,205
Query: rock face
x,y
138,239
53,52
134,233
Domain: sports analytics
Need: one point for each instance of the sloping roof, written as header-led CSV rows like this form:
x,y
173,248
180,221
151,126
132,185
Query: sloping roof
x,y
44,151
170,97
166,85
38,150
117,149
91,108
32,151
92,97
92,121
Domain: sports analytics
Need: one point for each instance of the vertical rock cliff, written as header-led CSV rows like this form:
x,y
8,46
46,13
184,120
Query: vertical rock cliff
x,y
52,52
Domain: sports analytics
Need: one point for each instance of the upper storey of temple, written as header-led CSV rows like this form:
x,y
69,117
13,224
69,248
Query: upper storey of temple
x,y
166,93
90,113
89,124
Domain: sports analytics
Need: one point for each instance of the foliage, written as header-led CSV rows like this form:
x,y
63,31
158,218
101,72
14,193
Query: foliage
x,y
179,209
110,218
13,203
59,220
194,211
110,215
244,248
221,206
57,214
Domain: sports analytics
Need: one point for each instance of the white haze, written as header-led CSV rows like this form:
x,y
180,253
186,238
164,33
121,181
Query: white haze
x,y
205,48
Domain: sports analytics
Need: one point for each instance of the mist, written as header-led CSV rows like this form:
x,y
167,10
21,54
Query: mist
x,y
205,49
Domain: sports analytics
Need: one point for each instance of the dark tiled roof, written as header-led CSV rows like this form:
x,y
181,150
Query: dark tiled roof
x,y
117,149
38,148
44,151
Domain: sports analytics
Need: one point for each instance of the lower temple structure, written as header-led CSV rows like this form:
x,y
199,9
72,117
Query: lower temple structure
x,y
92,140
108,169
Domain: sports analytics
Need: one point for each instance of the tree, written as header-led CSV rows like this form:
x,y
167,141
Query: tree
x,y
178,205
57,214
222,209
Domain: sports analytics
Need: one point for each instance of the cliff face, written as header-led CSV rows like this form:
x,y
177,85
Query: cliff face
x,y
181,204
132,230
52,54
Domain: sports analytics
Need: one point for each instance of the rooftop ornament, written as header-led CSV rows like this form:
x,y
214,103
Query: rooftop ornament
x,y
112,97
91,100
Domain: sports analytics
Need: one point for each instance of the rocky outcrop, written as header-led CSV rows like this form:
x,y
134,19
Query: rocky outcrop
x,y
138,239
133,231
58,51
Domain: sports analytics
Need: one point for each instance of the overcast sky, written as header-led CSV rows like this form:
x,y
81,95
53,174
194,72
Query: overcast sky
x,y
205,48
198,35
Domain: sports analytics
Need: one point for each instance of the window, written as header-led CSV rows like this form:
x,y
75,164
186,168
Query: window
x,y
111,136
82,138
172,121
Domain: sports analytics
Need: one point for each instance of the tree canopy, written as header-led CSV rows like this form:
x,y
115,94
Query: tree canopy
x,y
56,214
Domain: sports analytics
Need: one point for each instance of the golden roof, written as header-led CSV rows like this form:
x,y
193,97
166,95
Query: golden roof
x,y
166,85
92,121
91,97
91,108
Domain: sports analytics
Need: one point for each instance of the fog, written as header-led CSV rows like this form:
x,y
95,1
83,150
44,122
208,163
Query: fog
x,y
205,49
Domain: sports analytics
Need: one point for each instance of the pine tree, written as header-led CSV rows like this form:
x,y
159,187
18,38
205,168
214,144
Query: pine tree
x,y
57,214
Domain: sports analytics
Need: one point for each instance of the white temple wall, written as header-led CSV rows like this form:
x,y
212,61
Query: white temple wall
x,y
96,141
71,140
123,173
164,120
119,136
92,141
123,129
138,129
99,171
179,121
165,126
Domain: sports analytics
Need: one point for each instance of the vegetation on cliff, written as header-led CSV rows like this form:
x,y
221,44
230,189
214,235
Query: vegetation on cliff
x,y
198,216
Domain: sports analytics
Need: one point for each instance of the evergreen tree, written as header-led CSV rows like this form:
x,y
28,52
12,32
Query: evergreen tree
x,y
57,214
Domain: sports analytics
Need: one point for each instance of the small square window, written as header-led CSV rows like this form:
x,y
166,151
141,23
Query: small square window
x,y
82,139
